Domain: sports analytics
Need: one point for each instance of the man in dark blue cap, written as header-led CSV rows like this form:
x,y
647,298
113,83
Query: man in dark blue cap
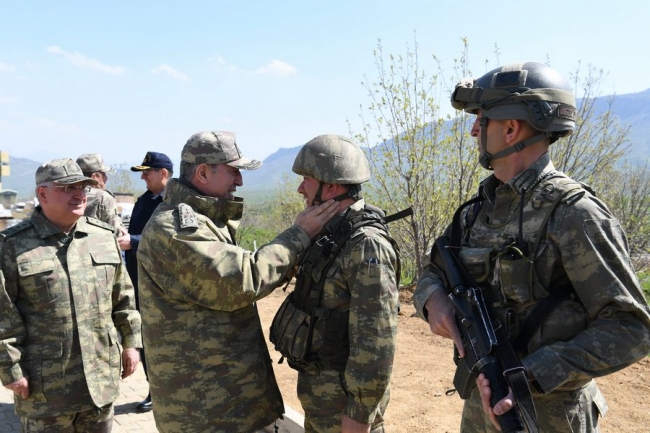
x,y
156,170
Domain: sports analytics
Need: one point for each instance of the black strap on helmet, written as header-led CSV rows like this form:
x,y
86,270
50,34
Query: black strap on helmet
x,y
486,157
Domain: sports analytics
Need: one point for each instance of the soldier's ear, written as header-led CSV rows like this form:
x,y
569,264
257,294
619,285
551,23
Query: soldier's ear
x,y
201,174
41,194
512,130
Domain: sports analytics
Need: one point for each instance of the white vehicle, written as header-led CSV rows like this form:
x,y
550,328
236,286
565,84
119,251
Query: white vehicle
x,y
125,210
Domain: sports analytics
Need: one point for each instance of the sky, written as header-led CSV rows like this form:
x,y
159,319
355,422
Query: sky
x,y
121,78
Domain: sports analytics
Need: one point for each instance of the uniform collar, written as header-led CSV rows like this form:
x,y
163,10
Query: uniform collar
x,y
45,228
524,181
221,209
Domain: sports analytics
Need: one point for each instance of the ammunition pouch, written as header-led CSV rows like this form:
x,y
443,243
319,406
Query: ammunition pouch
x,y
291,330
311,342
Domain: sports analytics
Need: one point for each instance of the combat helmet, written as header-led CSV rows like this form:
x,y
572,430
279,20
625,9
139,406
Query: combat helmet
x,y
528,91
333,159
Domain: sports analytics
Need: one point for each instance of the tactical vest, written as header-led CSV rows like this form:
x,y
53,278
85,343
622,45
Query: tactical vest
x,y
503,259
301,323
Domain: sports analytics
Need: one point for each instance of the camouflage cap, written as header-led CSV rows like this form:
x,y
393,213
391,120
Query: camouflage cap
x,y
216,147
93,163
64,171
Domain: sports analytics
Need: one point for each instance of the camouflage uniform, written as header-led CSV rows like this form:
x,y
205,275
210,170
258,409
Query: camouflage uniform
x,y
603,328
101,203
363,281
66,303
209,368
103,206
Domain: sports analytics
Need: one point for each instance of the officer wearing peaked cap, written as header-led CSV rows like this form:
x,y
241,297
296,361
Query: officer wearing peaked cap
x,y
209,368
67,305
156,169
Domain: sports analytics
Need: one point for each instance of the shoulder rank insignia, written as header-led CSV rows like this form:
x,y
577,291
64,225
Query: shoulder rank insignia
x,y
187,217
99,223
8,232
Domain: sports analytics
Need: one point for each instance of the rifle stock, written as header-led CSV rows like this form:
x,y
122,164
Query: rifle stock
x,y
480,340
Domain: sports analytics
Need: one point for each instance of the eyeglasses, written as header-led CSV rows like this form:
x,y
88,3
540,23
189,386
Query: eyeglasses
x,y
150,170
70,188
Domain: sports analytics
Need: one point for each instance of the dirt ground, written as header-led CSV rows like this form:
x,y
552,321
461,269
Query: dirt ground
x,y
423,371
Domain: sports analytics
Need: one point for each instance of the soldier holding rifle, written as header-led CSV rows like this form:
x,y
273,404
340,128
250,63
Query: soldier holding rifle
x,y
551,261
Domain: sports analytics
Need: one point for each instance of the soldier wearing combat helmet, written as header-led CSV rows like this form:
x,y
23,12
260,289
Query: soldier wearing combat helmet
x,y
209,367
550,258
345,296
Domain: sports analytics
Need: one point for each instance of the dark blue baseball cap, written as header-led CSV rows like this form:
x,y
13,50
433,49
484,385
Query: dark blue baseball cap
x,y
154,160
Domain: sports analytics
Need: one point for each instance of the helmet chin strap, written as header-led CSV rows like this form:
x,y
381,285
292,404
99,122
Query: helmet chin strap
x,y
486,157
318,199
354,192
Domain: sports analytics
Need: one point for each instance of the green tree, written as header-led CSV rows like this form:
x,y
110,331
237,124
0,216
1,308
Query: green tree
x,y
430,163
421,161
287,203
592,152
121,181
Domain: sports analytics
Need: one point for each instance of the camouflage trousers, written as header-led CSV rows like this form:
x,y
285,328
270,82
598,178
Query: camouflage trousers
x,y
324,399
89,421
574,411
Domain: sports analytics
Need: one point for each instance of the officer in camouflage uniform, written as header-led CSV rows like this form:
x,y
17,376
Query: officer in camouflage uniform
x,y
209,367
66,303
101,203
339,326
535,236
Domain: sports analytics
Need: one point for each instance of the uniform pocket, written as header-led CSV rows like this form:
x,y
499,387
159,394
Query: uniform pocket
x,y
512,277
39,278
115,355
477,261
104,264
46,371
290,331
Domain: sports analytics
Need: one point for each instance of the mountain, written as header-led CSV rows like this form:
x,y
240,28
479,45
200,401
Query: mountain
x,y
632,109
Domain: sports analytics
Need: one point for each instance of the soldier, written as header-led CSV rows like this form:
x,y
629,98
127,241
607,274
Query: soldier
x,y
66,305
101,203
550,257
209,367
156,169
346,294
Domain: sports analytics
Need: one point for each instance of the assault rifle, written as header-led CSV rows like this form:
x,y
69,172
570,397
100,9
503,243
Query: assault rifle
x,y
487,349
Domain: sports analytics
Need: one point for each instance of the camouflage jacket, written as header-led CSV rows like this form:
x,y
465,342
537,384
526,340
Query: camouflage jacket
x,y
65,303
208,363
363,281
605,326
103,206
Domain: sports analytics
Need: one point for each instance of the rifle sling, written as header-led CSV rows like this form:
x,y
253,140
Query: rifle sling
x,y
399,215
515,375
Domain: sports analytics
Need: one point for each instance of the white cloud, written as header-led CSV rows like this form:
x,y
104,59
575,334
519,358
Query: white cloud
x,y
82,61
6,68
165,68
277,68
217,63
